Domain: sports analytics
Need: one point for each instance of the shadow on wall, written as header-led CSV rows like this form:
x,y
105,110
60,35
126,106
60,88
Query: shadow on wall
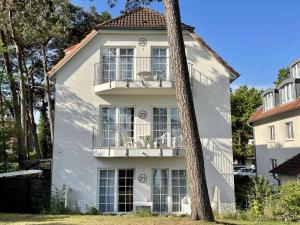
x,y
74,121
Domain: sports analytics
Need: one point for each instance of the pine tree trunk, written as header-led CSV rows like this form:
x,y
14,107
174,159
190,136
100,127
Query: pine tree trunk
x,y
15,100
31,115
200,204
48,93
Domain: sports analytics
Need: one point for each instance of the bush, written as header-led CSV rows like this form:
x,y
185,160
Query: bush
x,y
92,211
242,186
57,202
286,203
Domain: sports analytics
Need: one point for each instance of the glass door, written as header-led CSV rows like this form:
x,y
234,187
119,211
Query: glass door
x,y
160,190
125,190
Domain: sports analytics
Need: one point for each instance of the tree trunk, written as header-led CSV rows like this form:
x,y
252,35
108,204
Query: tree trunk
x,y
15,101
31,114
48,93
200,204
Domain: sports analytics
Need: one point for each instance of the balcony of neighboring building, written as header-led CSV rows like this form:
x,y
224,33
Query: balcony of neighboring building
x,y
137,140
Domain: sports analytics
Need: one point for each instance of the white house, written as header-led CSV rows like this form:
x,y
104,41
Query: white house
x,y
277,130
117,142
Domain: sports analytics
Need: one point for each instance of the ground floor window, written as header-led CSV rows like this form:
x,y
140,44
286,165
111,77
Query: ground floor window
x,y
160,190
178,189
125,190
107,191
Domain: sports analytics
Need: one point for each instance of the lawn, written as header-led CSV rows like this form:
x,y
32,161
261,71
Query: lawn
x,y
26,219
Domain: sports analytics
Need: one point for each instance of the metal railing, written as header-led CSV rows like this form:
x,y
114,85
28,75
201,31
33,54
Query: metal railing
x,y
133,69
137,136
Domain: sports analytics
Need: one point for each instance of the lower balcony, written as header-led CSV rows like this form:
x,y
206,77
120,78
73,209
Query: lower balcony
x,y
137,140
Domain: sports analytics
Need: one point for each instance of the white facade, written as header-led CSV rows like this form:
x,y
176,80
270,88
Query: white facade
x,y
77,162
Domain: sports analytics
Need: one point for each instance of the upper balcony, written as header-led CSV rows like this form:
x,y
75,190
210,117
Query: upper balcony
x,y
134,75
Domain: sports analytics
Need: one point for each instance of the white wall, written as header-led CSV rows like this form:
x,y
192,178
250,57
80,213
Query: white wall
x,y
280,149
77,111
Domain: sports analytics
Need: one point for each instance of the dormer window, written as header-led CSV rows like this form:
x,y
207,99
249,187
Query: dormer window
x,y
268,101
287,93
295,70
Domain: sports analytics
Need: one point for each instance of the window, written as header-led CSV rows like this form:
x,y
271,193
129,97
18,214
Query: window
x,y
287,93
117,126
160,126
271,133
268,101
273,163
295,70
159,64
118,64
289,132
160,190
126,70
125,190
106,191
178,189
175,128
109,64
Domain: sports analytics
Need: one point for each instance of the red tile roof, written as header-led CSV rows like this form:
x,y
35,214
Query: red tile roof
x,y
261,114
291,167
140,18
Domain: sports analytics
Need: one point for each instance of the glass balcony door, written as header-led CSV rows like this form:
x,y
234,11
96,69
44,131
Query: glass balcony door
x,y
160,68
117,64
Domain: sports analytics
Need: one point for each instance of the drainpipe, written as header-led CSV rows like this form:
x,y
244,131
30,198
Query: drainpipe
x,y
276,178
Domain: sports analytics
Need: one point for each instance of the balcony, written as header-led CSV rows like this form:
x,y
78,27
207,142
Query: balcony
x,y
134,75
137,140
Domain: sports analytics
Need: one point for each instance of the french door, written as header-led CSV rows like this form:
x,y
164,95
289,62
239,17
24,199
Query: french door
x,y
125,190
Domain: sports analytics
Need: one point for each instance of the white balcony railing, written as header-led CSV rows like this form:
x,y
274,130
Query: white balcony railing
x,y
129,136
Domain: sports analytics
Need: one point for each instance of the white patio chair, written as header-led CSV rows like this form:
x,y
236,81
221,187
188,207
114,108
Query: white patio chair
x,y
177,141
160,142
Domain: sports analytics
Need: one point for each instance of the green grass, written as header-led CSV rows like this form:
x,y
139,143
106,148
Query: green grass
x,y
28,219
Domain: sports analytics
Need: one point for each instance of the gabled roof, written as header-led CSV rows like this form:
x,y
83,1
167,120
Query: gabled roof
x,y
140,18
291,167
287,107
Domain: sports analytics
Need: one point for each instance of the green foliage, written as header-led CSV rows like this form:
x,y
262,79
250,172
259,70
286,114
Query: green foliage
x,y
244,102
260,196
92,211
57,202
286,202
43,132
282,75
242,187
144,212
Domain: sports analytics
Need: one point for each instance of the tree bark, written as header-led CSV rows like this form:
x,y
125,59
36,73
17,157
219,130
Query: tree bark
x,y
15,100
200,204
32,123
48,93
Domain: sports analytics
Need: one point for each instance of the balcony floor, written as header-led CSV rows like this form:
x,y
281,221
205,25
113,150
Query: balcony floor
x,y
135,87
108,153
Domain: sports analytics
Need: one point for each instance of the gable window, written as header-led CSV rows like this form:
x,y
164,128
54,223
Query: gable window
x,y
117,64
271,133
287,93
160,64
295,71
289,131
268,101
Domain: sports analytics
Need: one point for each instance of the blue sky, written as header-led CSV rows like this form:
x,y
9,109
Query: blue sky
x,y
256,37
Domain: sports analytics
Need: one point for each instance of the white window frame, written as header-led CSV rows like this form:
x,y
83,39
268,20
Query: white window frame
x,y
118,60
269,101
271,133
287,93
168,76
289,131
295,70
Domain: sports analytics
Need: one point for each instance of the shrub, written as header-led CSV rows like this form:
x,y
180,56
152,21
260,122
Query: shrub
x,y
57,202
260,196
287,202
92,211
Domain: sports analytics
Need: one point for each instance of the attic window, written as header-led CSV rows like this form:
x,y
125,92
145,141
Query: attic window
x,y
268,101
287,93
295,70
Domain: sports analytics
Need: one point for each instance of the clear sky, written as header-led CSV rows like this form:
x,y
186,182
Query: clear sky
x,y
256,37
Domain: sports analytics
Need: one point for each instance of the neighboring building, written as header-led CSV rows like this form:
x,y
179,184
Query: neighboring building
x,y
289,171
277,124
117,141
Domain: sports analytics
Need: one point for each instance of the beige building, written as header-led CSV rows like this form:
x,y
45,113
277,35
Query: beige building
x,y
277,125
117,139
